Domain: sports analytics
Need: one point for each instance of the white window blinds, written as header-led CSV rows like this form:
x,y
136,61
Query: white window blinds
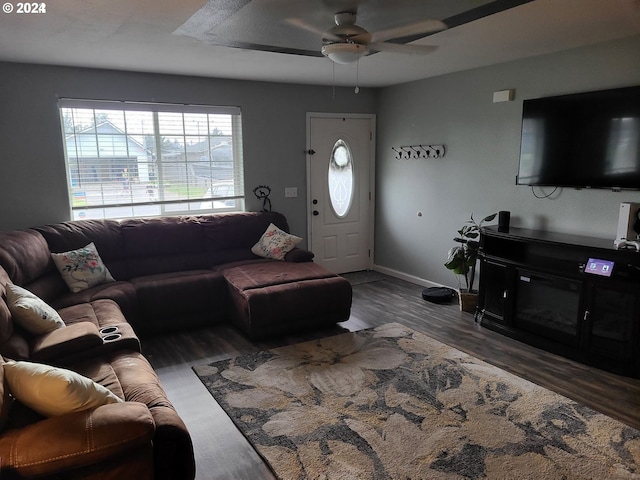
x,y
132,159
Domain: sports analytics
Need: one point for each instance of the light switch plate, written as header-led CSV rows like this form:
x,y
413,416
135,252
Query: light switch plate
x,y
290,192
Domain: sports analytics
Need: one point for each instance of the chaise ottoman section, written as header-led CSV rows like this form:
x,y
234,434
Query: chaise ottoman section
x,y
271,298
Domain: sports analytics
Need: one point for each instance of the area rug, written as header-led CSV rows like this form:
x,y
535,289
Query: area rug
x,y
392,403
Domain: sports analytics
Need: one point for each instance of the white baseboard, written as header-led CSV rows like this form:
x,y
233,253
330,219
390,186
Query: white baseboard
x,y
408,278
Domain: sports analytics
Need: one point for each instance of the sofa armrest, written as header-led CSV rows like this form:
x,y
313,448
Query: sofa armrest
x,y
76,440
65,342
299,255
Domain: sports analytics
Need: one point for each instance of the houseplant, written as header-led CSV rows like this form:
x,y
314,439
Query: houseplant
x,y
462,259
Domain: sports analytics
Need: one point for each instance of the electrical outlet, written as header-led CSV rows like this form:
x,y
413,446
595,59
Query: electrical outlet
x,y
290,192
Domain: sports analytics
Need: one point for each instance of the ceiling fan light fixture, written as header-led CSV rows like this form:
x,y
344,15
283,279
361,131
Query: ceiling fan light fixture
x,y
344,53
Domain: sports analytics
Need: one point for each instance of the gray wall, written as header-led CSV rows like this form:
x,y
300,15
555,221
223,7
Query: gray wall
x,y
33,187
477,175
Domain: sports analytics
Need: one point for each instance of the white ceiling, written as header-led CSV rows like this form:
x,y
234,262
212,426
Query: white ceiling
x,y
158,36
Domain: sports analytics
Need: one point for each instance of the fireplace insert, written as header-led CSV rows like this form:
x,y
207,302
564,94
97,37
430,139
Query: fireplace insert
x,y
548,306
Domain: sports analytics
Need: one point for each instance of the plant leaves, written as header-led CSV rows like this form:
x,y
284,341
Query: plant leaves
x,y
457,261
454,252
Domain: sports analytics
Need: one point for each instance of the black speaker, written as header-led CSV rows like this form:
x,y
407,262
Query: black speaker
x,y
504,218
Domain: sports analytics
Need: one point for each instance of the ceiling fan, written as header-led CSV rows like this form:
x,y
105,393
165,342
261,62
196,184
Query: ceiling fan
x,y
347,42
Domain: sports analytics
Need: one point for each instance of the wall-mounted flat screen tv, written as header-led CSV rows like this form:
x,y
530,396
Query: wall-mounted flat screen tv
x,y
583,140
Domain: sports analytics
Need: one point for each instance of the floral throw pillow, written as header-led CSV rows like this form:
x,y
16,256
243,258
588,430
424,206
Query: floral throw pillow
x,y
82,268
275,243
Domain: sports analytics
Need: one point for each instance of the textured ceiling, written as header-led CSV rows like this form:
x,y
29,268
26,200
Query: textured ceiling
x,y
237,38
263,25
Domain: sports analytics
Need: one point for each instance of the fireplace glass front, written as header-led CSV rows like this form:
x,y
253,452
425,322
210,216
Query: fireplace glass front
x,y
548,306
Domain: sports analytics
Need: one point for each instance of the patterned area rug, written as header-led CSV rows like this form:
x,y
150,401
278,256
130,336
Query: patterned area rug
x,y
391,403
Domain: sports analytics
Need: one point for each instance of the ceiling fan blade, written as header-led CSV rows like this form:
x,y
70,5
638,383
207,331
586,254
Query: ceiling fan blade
x,y
407,48
343,5
419,28
299,23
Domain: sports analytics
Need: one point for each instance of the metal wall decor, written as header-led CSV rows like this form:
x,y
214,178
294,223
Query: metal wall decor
x,y
417,152
262,192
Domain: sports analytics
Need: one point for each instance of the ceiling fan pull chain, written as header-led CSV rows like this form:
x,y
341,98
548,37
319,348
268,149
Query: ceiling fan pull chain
x,y
333,78
357,89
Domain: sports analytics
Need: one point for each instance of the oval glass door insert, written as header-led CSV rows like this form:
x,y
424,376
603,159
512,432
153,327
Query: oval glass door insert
x,y
340,178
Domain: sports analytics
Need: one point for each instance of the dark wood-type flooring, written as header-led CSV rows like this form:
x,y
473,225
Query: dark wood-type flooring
x,y
221,450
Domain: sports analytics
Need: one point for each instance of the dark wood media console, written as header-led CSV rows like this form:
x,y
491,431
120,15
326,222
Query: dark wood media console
x,y
572,295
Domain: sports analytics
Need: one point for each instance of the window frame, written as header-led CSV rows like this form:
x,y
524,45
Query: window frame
x,y
163,207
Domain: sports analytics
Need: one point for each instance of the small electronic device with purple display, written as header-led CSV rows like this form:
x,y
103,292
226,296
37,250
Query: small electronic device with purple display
x,y
597,266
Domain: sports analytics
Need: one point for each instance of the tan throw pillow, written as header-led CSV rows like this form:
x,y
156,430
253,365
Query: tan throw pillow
x,y
82,268
53,391
31,312
275,243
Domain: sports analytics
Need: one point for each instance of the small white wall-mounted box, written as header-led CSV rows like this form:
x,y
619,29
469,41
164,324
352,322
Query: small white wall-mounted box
x,y
503,96
627,219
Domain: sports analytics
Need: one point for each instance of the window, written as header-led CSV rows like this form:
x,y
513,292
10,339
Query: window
x,y
340,178
128,159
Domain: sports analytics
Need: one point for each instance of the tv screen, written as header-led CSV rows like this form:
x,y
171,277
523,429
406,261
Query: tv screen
x,y
584,140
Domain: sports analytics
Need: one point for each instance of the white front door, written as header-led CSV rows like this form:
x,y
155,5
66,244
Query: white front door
x,y
339,156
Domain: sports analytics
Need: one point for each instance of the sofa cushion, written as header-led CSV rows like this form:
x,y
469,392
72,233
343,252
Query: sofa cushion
x,y
101,313
122,293
24,254
105,234
112,441
229,237
275,243
6,322
5,398
180,293
299,255
265,274
30,312
228,231
279,297
16,347
82,268
49,286
287,307
53,391
101,371
173,449
107,319
79,340
160,245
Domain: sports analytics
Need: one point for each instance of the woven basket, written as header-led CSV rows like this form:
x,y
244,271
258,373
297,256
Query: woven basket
x,y
468,301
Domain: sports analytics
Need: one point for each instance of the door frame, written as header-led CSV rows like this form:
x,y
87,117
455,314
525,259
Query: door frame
x,y
372,174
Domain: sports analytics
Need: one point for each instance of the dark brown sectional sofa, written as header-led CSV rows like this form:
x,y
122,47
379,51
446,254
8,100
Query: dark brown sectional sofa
x,y
170,273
